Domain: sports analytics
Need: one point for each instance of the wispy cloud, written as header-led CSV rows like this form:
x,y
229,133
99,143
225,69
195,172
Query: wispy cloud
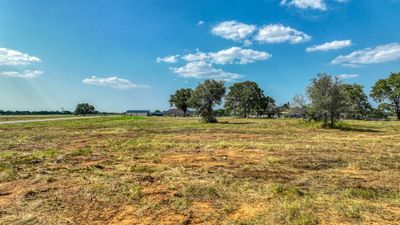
x,y
10,57
233,30
334,45
346,76
306,4
379,54
113,82
200,23
278,33
204,70
21,74
168,59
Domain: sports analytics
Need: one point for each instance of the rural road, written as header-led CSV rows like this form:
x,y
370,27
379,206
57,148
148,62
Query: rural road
x,y
44,120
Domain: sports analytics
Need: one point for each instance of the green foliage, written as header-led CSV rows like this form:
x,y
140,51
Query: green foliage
x,y
181,99
358,106
246,98
328,98
84,109
205,97
243,99
220,112
266,106
387,91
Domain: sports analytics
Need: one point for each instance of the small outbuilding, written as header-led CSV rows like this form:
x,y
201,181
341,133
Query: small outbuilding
x,y
138,113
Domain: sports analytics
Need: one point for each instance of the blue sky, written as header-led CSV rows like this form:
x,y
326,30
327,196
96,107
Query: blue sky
x,y
121,55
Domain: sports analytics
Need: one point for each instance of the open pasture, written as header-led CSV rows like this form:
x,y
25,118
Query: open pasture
x,y
131,170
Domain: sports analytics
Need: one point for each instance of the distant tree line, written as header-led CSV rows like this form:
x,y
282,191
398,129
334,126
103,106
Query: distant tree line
x,y
9,112
327,99
81,109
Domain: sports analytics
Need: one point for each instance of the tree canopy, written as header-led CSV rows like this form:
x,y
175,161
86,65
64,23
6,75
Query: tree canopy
x,y
387,92
84,109
181,99
357,106
205,97
244,99
327,98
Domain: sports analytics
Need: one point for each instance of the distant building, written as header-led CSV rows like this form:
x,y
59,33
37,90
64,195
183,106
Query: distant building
x,y
177,112
138,113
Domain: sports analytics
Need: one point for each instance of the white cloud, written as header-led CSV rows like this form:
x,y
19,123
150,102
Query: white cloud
x,y
334,45
233,30
346,76
112,82
233,55
198,56
168,59
237,55
200,23
277,33
204,70
11,57
342,1
23,74
306,4
379,54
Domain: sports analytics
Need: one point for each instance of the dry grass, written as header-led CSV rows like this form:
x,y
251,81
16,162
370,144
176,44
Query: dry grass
x,y
30,117
179,171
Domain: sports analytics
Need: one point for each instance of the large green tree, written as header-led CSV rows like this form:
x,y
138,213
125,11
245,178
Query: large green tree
x,y
358,106
205,97
84,109
181,99
244,99
327,97
266,106
387,92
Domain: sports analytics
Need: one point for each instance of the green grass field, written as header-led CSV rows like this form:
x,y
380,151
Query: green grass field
x,y
128,170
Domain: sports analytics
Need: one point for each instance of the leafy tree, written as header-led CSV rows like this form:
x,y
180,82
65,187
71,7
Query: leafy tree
x,y
220,112
181,99
244,99
377,113
84,109
327,98
357,101
387,91
266,106
299,106
205,97
284,108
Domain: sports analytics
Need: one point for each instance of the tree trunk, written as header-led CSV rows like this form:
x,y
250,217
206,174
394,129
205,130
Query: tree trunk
x,y
325,119
184,112
398,113
332,118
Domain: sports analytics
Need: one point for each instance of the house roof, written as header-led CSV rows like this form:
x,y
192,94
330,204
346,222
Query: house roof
x,y
138,111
